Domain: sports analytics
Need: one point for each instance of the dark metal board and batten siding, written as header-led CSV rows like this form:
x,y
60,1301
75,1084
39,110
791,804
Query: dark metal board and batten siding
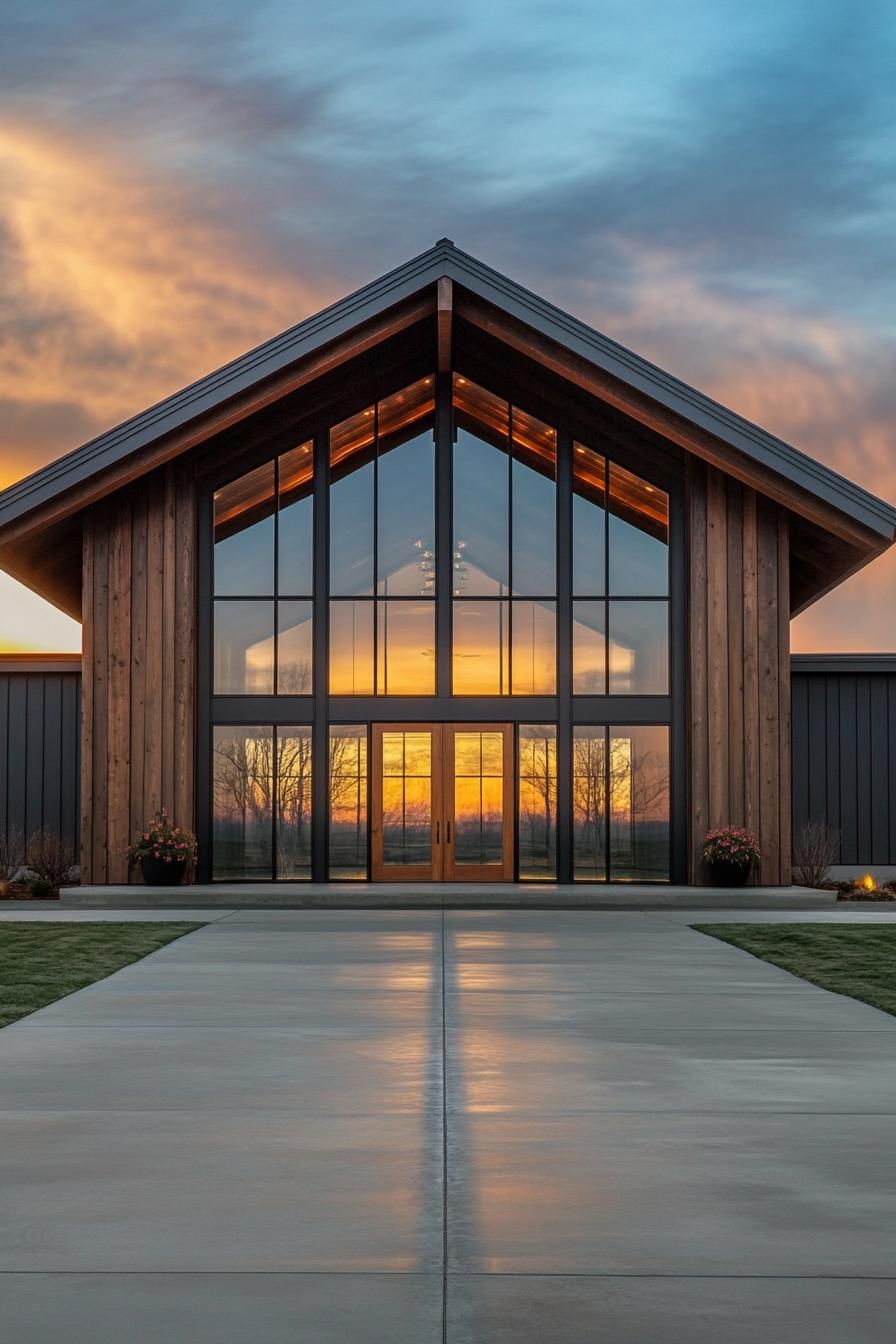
x,y
844,751
40,745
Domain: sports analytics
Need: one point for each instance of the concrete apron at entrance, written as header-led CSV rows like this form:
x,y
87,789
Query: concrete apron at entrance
x,y
448,896
479,1127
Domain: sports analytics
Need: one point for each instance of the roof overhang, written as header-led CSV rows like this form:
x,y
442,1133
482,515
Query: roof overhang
x,y
841,527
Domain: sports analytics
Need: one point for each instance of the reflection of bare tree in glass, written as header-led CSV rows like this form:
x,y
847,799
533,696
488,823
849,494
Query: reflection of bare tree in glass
x,y
294,678
589,801
244,773
294,801
348,800
538,801
639,802
244,794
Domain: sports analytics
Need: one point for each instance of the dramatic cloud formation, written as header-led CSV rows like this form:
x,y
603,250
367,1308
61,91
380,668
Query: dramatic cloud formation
x,y
712,186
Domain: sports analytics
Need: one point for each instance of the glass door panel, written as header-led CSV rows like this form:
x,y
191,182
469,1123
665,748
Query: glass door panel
x,y
406,829
478,795
442,802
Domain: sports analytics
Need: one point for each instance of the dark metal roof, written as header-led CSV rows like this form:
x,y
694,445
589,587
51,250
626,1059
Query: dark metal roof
x,y
843,663
444,259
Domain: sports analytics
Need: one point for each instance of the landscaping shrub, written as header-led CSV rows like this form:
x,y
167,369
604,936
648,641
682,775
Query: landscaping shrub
x,y
12,854
50,857
39,889
815,847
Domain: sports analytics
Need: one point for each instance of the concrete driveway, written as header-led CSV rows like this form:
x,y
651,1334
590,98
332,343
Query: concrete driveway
x,y
386,1126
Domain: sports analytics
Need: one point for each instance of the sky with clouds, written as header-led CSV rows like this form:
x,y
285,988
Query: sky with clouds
x,y
711,183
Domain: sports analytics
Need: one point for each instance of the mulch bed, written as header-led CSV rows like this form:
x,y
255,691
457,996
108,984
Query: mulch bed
x,y
853,891
17,891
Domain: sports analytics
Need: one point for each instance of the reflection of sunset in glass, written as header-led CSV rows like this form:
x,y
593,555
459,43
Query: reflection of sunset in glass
x,y
407,797
348,801
478,797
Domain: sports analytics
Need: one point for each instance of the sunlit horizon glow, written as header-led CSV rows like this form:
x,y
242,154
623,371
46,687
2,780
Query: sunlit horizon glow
x,y
180,187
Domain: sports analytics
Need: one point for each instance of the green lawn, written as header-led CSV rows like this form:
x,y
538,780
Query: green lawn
x,y
854,959
42,962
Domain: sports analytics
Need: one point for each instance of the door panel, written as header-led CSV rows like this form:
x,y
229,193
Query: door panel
x,y
478,791
442,800
406,828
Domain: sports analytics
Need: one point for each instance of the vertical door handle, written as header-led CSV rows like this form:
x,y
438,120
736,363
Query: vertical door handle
x,y
437,832
447,832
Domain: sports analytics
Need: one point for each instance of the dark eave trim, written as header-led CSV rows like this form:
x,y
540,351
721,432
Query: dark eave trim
x,y
842,663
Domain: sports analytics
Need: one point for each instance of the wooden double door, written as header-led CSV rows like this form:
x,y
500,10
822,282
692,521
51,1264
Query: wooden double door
x,y
442,802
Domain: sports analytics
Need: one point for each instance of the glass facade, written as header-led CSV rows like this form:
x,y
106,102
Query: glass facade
x,y
540,579
347,840
621,802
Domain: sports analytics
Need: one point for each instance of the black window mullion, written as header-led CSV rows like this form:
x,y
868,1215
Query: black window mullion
x,y
444,547
563,626
607,863
376,551
510,575
275,800
320,674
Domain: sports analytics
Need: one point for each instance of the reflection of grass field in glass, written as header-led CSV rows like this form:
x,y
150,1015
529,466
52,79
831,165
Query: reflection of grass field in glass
x,y
854,959
42,962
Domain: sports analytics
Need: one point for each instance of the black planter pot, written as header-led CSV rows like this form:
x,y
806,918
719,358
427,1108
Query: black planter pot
x,y
158,873
729,874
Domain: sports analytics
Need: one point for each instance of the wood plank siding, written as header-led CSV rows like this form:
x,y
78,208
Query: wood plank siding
x,y
138,702
738,667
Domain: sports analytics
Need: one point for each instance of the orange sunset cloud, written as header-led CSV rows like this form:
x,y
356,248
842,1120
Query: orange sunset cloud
x,y
122,289
123,283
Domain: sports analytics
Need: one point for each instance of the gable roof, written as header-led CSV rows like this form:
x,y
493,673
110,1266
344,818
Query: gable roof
x,y
444,260
58,489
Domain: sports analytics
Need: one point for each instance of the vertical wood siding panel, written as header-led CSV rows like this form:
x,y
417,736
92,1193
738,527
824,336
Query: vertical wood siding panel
x,y
847,753
751,663
51,757
5,756
69,814
138,813
891,739
87,672
119,800
717,646
100,769
816,693
33,773
832,757
697,667
863,768
801,750
769,745
879,771
152,709
736,806
784,785
185,652
18,751
169,638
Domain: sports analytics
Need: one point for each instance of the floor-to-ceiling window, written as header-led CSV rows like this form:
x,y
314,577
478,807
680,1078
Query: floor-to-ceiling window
x,y
329,567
